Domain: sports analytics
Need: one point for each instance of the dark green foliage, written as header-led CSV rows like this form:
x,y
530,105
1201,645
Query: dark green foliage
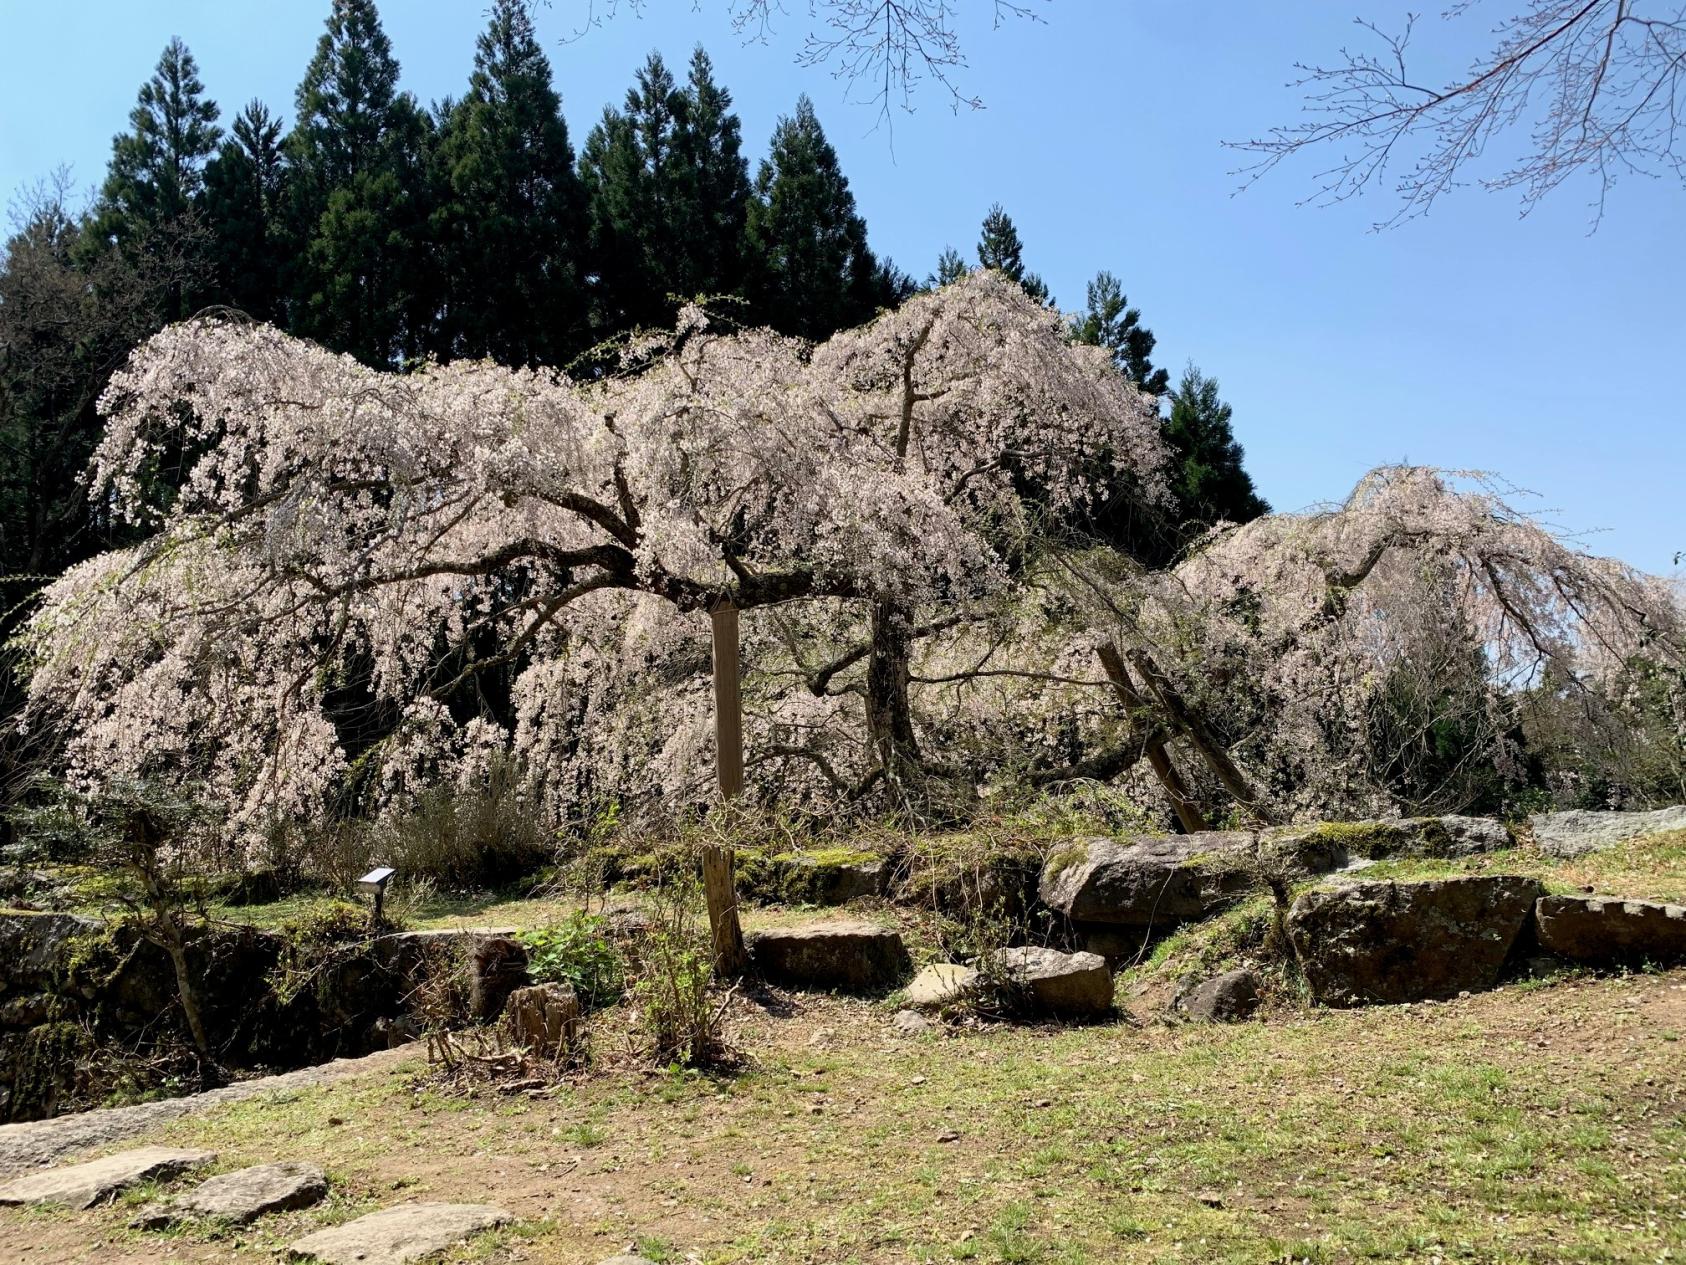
x,y
243,205
157,167
1109,321
717,208
358,204
950,268
1437,729
1208,478
999,248
668,194
70,309
510,218
577,952
814,274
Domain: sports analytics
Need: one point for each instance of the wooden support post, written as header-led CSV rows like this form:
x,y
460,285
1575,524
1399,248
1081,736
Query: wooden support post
x,y
1204,740
1135,706
728,701
719,880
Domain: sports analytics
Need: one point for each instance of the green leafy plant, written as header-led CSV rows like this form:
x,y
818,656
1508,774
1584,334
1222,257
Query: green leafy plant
x,y
673,967
577,952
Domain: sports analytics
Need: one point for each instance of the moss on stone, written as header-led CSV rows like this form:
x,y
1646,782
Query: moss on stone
x,y
824,876
48,1064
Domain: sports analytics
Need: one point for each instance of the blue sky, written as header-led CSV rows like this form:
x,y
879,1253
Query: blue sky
x,y
1470,339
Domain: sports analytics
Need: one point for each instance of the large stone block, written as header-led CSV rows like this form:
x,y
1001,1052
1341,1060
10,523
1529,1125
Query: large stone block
x,y
1577,832
1147,882
1360,943
36,950
1046,981
846,957
1607,929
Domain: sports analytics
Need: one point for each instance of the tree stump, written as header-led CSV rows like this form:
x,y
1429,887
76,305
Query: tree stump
x,y
546,1019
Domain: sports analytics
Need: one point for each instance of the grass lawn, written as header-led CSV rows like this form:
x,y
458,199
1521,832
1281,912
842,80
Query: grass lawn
x,y
1539,1123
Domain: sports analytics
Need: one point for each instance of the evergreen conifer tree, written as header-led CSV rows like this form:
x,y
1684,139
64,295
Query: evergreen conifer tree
x,y
999,248
814,272
1208,479
244,190
717,182
668,192
157,166
510,219
359,196
951,266
148,205
1109,321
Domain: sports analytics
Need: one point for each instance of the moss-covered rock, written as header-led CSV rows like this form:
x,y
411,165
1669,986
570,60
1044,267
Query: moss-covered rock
x,y
829,876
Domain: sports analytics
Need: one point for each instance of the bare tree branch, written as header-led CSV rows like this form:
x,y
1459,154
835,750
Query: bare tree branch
x,y
1585,86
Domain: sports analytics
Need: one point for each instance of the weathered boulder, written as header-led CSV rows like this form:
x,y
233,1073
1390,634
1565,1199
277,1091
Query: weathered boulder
x,y
1046,981
98,1181
942,984
1146,882
1227,998
1360,943
242,1196
910,1023
396,1236
1578,831
36,950
847,957
831,877
1331,845
1607,929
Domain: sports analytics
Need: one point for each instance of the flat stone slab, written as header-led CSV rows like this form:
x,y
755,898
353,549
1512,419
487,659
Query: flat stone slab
x,y
1334,845
1608,929
396,1236
98,1181
1069,985
847,957
1575,833
245,1194
942,984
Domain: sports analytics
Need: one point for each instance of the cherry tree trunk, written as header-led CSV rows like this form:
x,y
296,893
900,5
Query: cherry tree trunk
x,y
889,711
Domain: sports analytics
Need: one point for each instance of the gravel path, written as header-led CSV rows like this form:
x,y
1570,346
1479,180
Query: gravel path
x,y
37,1142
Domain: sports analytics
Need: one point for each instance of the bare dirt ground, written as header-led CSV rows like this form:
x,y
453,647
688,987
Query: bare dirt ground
x,y
1539,1123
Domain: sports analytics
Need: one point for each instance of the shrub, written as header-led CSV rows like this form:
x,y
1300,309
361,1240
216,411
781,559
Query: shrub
x,y
576,952
673,966
477,838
